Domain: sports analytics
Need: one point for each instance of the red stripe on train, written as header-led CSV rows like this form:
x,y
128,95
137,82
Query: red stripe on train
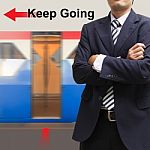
x,y
71,35
15,35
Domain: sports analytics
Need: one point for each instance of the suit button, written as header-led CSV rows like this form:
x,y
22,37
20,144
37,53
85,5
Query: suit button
x,y
110,76
99,98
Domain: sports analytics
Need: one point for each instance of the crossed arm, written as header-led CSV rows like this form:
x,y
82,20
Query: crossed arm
x,y
136,52
135,69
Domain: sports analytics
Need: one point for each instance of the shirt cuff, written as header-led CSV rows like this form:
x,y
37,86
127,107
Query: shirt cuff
x,y
97,65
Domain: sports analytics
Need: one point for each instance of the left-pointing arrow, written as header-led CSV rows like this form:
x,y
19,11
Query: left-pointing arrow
x,y
12,14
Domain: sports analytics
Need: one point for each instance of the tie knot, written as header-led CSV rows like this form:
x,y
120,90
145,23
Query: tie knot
x,y
115,24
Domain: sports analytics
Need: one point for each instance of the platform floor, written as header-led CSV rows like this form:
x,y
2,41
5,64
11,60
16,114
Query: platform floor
x,y
30,137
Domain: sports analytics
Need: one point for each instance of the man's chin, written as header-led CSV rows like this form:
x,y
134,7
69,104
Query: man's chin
x,y
120,7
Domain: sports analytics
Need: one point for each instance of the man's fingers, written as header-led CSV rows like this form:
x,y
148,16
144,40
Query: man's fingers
x,y
138,45
138,53
139,57
132,54
139,49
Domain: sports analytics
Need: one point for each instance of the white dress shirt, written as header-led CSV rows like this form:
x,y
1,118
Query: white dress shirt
x,y
97,65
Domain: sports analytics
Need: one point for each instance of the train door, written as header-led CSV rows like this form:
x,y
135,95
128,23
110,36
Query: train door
x,y
46,75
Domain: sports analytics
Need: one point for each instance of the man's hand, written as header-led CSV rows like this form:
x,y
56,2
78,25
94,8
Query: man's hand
x,y
92,59
136,52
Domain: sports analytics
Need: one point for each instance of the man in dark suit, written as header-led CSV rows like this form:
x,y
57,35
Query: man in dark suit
x,y
113,60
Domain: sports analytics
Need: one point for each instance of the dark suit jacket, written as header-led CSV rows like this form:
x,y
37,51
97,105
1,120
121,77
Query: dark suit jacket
x,y
130,78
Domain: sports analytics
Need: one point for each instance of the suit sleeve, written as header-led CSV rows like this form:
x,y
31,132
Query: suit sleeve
x,y
82,71
130,71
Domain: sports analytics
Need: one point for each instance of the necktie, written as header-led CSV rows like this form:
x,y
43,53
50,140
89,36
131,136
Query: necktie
x,y
108,99
115,31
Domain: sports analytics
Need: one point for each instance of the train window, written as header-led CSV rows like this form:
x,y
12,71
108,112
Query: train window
x,y
11,59
10,51
46,74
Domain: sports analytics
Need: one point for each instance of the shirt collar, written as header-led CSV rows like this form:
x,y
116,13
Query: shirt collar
x,y
122,19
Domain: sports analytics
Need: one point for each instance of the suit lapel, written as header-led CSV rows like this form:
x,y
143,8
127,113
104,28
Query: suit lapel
x,y
103,29
127,29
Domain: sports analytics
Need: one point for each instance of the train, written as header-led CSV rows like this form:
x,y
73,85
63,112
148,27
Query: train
x,y
36,81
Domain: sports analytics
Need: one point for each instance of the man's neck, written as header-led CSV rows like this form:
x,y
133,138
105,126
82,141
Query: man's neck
x,y
118,14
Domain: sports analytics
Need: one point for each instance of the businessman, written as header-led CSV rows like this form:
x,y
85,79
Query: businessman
x,y
113,60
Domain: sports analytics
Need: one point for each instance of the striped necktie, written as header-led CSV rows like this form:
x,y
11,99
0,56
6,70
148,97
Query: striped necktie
x,y
115,31
108,99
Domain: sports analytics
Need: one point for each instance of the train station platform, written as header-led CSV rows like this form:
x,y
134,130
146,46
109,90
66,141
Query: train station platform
x,y
41,136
